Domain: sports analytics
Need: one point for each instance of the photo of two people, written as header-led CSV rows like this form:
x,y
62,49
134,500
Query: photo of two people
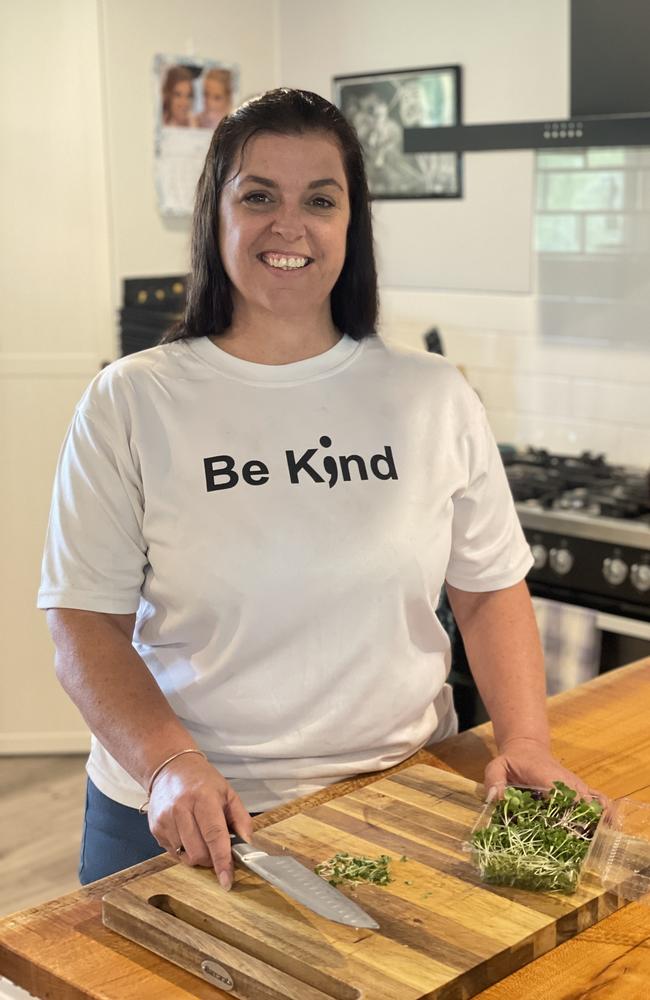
x,y
194,96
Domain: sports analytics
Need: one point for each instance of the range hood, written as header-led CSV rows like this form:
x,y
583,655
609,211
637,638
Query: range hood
x,y
610,91
593,130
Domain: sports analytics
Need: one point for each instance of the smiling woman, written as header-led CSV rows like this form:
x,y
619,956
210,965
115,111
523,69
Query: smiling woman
x,y
282,240
252,523
284,178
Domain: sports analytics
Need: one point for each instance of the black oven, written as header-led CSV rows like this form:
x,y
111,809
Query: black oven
x,y
588,525
150,307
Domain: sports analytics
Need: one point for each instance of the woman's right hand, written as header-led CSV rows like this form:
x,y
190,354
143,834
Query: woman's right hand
x,y
192,806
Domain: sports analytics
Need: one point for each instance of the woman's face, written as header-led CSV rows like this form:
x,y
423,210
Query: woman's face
x,y
215,98
180,103
283,221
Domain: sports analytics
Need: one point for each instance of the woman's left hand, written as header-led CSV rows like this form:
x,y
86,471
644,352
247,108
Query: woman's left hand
x,y
528,762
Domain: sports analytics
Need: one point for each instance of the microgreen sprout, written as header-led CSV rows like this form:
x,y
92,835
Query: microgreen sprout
x,y
344,867
537,840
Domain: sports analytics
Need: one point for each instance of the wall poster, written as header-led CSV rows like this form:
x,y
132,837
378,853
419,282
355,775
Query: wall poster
x,y
191,96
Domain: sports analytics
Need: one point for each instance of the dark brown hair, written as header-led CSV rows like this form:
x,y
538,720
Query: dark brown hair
x,y
353,299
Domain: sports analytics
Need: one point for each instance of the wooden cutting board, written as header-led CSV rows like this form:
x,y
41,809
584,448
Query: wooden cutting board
x,y
443,934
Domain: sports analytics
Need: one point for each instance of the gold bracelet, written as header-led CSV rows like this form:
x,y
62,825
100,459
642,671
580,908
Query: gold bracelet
x,y
143,807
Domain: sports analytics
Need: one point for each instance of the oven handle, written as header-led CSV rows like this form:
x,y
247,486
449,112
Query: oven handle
x,y
628,627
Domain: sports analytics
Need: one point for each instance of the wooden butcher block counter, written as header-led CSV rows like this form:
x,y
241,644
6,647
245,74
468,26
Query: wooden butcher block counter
x,y
61,950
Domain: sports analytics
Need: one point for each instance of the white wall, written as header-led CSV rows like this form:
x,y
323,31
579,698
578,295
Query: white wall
x,y
567,399
145,243
56,323
78,214
466,266
514,60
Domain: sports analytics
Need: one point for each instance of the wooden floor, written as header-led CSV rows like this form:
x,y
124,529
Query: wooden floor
x,y
41,812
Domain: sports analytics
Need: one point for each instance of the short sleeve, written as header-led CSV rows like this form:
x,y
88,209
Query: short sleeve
x,y
95,554
489,550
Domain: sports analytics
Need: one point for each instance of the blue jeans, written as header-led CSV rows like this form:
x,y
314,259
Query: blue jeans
x,y
114,837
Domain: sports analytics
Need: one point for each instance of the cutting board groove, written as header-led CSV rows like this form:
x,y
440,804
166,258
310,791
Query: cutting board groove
x,y
443,934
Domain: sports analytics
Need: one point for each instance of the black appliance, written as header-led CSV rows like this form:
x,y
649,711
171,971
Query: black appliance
x,y
588,525
610,90
151,306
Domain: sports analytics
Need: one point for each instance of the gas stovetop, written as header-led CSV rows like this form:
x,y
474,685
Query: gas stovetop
x,y
588,525
580,495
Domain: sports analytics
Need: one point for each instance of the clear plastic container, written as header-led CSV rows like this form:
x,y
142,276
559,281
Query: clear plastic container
x,y
534,872
620,851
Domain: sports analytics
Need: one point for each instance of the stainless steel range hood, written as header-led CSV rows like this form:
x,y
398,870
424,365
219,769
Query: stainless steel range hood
x,y
609,90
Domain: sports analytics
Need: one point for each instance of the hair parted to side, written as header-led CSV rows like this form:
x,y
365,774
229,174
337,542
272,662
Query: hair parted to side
x,y
208,309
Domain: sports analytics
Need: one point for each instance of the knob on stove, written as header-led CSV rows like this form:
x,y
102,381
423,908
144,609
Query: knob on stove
x,y
640,576
614,570
540,555
561,561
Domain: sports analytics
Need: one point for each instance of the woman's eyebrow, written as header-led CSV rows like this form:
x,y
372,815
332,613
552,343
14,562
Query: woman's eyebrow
x,y
325,182
254,179
267,182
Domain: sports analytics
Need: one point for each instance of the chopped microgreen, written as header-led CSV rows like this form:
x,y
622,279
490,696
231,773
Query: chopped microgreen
x,y
403,858
537,840
344,867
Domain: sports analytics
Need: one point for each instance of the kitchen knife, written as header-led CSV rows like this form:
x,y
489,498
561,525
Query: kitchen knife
x,y
301,884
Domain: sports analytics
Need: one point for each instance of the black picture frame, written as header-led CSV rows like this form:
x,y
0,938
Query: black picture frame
x,y
380,105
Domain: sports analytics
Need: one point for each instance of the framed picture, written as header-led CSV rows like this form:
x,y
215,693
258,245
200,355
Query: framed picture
x,y
381,105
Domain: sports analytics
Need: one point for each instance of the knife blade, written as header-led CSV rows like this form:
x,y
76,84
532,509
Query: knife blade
x,y
303,885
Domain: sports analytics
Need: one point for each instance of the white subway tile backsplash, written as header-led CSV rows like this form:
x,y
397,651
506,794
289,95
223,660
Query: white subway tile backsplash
x,y
510,313
497,331
527,429
482,349
633,446
598,363
505,426
616,401
479,348
521,429
515,391
566,397
496,389
575,437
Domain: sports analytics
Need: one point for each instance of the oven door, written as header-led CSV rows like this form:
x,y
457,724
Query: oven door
x,y
623,640
598,636
588,633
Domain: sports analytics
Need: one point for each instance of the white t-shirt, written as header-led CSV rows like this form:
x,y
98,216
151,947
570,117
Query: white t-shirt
x,y
283,533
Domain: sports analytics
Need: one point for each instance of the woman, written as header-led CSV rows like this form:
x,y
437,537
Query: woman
x,y
251,523
178,97
217,98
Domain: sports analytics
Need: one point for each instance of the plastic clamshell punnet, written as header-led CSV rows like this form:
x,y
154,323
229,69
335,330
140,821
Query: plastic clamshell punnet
x,y
620,850
507,868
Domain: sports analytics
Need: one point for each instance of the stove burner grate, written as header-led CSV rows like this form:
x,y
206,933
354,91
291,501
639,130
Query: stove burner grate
x,y
585,484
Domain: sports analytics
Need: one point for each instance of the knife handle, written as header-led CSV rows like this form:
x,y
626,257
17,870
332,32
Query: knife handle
x,y
242,849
